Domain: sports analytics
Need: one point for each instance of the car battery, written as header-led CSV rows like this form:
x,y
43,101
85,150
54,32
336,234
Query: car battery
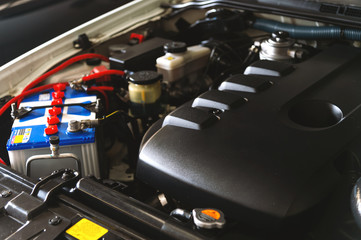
x,y
51,111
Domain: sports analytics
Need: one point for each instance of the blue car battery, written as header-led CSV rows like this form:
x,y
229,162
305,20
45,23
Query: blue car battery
x,y
30,133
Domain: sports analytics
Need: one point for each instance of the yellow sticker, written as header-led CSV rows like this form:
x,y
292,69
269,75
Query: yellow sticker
x,y
18,139
86,230
170,58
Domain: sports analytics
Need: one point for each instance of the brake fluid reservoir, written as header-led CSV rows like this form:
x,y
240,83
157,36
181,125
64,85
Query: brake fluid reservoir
x,y
144,93
180,61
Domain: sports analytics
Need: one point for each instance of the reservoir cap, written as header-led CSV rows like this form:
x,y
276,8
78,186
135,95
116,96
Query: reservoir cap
x,y
175,47
208,218
145,77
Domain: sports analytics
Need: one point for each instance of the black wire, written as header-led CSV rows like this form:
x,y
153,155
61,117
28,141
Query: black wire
x,y
118,123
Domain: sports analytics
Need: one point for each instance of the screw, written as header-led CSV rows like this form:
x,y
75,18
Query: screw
x,y
13,110
5,193
97,105
67,175
54,221
280,36
217,111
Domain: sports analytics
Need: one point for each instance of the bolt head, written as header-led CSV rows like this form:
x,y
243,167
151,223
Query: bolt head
x,y
5,193
54,140
280,36
67,175
55,220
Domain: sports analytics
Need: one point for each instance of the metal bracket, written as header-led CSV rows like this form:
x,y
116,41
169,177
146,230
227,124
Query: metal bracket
x,y
23,111
50,184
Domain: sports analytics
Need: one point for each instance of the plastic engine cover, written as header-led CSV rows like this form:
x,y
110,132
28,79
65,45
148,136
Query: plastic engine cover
x,y
265,159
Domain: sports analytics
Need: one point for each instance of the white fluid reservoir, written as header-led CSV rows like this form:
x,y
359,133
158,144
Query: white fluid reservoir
x,y
181,61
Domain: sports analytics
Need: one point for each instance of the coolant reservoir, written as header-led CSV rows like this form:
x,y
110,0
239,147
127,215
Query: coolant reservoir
x,y
180,61
144,93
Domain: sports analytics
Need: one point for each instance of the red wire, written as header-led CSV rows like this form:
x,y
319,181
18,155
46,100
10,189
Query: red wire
x,y
106,100
102,90
60,67
27,93
102,74
64,65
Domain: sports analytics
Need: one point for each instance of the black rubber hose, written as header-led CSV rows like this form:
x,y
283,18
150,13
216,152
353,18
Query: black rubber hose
x,y
352,34
308,32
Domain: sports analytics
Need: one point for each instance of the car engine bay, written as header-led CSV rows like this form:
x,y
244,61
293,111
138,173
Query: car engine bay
x,y
234,124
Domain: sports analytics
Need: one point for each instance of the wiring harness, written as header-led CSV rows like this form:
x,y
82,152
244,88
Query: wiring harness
x,y
29,89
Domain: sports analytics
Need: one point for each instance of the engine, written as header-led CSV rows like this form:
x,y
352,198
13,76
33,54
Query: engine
x,y
235,125
264,143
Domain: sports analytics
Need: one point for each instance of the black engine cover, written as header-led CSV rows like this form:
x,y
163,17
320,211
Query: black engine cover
x,y
267,158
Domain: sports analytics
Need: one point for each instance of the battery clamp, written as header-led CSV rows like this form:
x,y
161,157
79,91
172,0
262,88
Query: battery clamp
x,y
23,111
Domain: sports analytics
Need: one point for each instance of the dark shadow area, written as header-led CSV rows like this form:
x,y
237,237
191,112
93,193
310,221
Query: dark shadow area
x,y
31,26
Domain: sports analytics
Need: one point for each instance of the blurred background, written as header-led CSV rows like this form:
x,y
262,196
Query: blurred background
x,y
25,24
